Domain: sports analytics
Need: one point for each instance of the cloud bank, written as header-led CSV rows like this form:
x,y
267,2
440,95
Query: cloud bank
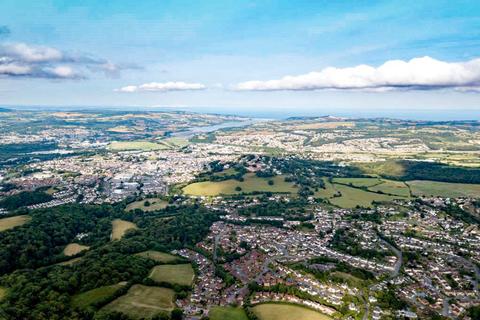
x,y
423,73
163,87
29,61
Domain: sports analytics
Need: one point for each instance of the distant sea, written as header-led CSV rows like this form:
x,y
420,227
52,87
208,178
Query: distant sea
x,y
282,113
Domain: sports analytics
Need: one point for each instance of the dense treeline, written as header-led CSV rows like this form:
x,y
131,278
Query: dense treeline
x,y
45,292
41,241
24,198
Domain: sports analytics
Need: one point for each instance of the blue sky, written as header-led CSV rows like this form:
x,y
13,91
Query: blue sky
x,y
221,53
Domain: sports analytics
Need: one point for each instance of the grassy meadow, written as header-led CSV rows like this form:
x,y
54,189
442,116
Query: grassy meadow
x,y
279,311
74,248
12,222
120,227
143,302
155,204
158,256
90,297
181,274
136,145
224,313
251,183
444,189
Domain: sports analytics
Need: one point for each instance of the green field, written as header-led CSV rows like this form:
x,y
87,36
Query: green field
x,y
377,185
359,182
181,274
392,187
158,256
175,142
143,302
155,204
351,197
12,222
120,227
136,145
250,184
444,189
280,311
227,313
3,292
87,298
74,248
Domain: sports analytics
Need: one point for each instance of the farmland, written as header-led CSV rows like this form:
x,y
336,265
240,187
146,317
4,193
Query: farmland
x,y
3,292
73,249
90,297
230,313
136,145
444,189
158,256
120,227
181,274
343,195
278,311
147,205
143,302
251,183
12,222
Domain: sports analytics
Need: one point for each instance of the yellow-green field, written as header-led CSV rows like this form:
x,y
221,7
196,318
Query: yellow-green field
x,y
279,311
3,292
155,204
352,197
143,302
175,142
120,227
359,182
377,185
87,298
251,183
444,189
74,248
158,256
136,145
12,222
349,197
227,313
181,274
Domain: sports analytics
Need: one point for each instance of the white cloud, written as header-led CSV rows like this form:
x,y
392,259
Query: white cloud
x,y
163,87
25,60
423,73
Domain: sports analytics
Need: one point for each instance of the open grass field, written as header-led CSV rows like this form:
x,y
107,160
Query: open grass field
x,y
143,302
87,298
392,187
12,222
251,183
181,274
359,182
227,313
155,204
279,311
120,227
175,142
157,256
3,292
351,197
74,248
326,193
376,184
136,145
444,189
